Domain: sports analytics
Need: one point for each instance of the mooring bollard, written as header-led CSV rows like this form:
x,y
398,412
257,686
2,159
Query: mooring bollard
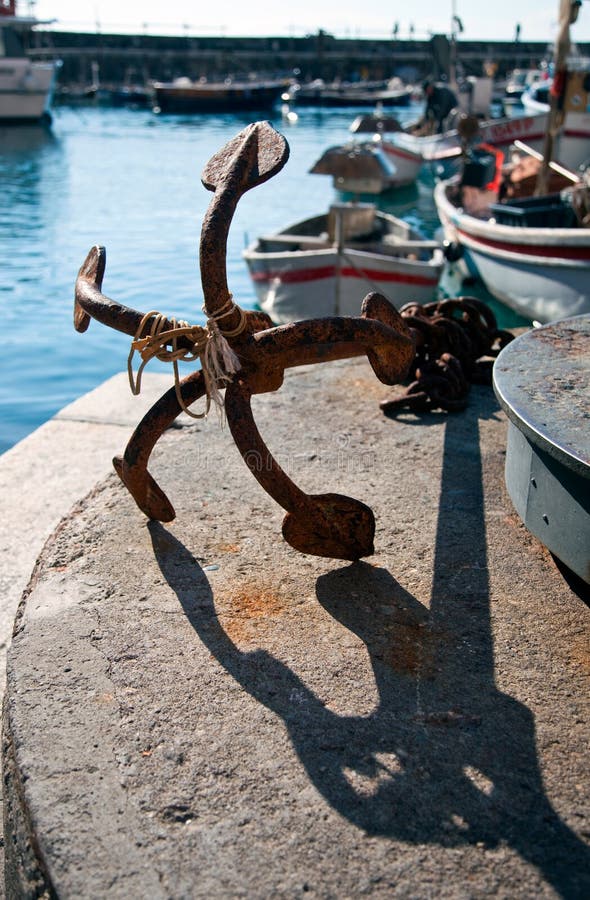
x,y
243,352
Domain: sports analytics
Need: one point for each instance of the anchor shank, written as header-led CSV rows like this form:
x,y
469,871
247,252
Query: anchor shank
x,y
254,451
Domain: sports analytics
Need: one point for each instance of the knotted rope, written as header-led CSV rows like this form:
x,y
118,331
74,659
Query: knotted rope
x,y
207,343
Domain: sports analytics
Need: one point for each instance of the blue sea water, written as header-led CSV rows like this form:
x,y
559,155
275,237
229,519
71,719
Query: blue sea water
x,y
130,180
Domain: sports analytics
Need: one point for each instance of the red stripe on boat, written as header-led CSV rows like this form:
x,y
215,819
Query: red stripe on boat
x,y
557,251
571,132
392,150
506,141
299,276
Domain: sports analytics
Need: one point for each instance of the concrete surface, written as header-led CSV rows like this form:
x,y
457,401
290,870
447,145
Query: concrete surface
x,y
43,476
197,710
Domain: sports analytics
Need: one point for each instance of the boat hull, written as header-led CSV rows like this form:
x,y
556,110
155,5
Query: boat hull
x,y
499,132
352,98
406,163
215,98
572,145
541,273
26,90
312,284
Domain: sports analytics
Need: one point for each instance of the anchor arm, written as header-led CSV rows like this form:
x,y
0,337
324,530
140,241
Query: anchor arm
x,y
380,333
91,303
132,466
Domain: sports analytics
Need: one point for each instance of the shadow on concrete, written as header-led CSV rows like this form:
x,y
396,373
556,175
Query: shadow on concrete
x,y
444,757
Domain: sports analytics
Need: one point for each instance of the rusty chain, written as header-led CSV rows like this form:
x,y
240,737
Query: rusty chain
x,y
456,343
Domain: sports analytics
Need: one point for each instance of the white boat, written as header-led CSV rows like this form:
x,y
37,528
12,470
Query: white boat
x,y
540,270
501,133
26,87
572,144
325,265
408,151
363,167
533,252
519,81
535,97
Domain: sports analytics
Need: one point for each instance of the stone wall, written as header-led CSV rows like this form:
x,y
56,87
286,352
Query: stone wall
x,y
142,57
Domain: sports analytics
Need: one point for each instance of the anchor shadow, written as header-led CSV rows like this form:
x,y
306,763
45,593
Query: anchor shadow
x,y
444,757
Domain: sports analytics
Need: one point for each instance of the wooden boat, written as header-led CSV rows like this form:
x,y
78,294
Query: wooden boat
x,y
399,143
532,253
186,96
135,96
362,93
365,168
325,265
572,144
26,88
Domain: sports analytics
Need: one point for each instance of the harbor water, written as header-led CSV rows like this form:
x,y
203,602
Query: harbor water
x,y
130,181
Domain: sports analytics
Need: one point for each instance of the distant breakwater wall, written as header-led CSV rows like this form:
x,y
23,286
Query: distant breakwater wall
x,y
123,58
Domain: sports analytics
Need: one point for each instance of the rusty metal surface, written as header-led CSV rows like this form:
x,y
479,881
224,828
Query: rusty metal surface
x,y
456,343
542,381
326,524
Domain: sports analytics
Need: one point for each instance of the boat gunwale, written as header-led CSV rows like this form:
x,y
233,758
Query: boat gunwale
x,y
512,233
436,259
412,242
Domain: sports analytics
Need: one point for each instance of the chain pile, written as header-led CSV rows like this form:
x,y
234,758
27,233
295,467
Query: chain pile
x,y
456,343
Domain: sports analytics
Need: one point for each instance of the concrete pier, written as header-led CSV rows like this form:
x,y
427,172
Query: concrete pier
x,y
197,710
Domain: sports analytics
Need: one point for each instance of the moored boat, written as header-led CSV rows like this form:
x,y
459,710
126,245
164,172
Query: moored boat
x,y
572,142
520,80
531,247
535,98
26,87
365,168
324,265
531,253
361,93
399,144
186,96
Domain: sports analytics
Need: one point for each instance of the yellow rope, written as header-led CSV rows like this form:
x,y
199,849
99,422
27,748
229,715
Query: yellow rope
x,y
208,343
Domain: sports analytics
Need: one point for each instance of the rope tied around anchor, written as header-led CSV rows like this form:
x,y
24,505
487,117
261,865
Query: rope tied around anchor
x,y
207,343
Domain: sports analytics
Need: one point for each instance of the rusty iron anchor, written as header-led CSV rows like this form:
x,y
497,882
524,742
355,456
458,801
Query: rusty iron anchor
x,y
329,524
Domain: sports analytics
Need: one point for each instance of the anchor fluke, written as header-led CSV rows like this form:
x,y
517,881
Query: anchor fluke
x,y
337,526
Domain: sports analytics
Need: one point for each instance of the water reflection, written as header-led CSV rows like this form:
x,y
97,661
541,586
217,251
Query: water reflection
x,y
23,138
31,174
25,155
